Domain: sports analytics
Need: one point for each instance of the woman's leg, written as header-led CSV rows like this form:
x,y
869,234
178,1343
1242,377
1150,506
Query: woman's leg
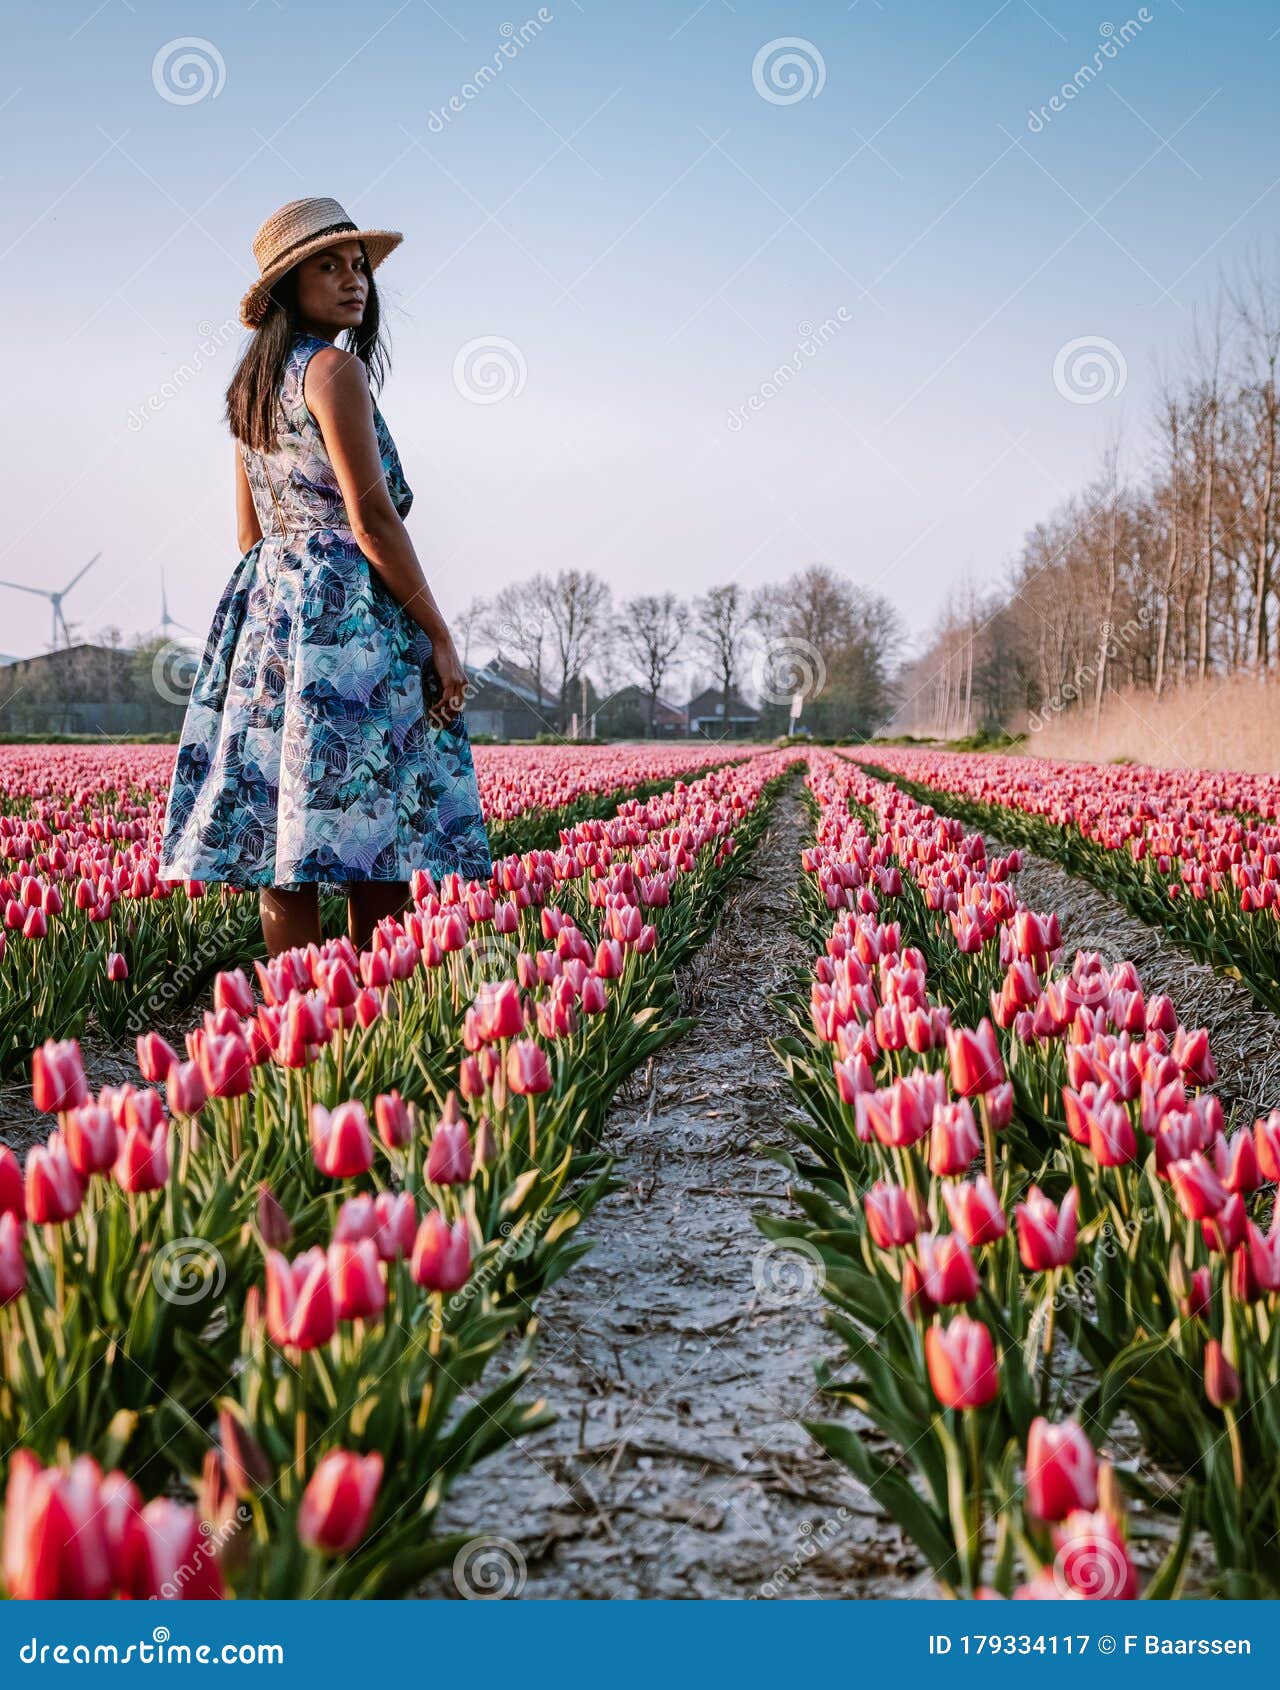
x,y
368,901
289,919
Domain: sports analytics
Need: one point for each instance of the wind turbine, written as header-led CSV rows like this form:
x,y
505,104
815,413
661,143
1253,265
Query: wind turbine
x,y
167,621
55,599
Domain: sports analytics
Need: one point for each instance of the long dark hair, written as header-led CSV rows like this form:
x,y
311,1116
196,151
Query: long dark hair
x,y
253,398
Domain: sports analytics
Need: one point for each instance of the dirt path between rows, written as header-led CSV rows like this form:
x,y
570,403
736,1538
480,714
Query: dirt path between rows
x,y
679,1359
1244,1037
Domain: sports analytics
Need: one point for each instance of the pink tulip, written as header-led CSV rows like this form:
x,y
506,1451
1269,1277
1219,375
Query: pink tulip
x,y
13,1266
395,1124
962,1363
339,1500
155,1056
340,1141
1062,1469
355,1273
528,1072
441,1254
1047,1233
53,1189
300,1305
12,1201
57,1076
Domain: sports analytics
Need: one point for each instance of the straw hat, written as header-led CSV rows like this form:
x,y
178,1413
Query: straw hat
x,y
299,228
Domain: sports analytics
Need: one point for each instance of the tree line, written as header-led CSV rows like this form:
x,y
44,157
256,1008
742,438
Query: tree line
x,y
1147,580
818,636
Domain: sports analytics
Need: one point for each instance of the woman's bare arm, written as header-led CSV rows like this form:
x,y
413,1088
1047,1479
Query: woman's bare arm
x,y
248,528
336,390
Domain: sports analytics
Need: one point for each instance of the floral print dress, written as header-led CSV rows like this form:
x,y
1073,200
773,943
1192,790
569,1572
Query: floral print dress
x,y
306,753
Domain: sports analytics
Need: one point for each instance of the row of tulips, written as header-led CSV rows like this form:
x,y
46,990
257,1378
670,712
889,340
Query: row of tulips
x,y
1194,851
1034,1221
90,932
295,1257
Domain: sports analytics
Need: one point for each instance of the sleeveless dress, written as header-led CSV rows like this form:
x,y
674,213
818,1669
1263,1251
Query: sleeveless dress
x,y
306,755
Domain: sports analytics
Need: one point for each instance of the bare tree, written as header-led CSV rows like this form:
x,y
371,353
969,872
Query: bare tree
x,y
651,630
517,621
576,604
721,620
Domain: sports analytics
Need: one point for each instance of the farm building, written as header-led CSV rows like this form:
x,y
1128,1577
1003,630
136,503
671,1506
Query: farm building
x,y
706,716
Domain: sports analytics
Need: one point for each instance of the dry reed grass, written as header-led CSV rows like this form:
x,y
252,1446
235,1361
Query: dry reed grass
x,y
1228,722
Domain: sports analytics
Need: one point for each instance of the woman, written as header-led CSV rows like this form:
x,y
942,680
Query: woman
x,y
323,741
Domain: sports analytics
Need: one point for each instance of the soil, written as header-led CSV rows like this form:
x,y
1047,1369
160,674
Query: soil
x,y
679,1354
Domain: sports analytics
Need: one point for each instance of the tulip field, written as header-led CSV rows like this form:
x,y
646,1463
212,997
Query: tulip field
x,y
265,1302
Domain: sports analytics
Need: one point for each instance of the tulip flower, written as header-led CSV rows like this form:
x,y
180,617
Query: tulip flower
x,y
449,1159
394,1123
54,1533
954,1139
1197,1187
891,1218
1047,1233
52,1188
167,1557
441,1254
244,1461
273,1224
947,1269
340,1140
499,1012
155,1056
12,1201
395,1224
185,1088
975,1211
142,1163
528,1072
225,1065
1221,1381
355,1273
300,1306
1092,1558
92,1138
975,1060
962,1363
13,1266
339,1500
57,1076
1062,1469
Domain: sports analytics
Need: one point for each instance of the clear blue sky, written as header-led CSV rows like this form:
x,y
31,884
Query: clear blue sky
x,y
646,215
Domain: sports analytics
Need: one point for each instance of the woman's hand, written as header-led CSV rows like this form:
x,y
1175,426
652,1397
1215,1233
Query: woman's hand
x,y
445,684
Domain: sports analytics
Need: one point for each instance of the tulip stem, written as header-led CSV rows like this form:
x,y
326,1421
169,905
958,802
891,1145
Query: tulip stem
x,y
1237,1450
975,1462
988,1138
533,1131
